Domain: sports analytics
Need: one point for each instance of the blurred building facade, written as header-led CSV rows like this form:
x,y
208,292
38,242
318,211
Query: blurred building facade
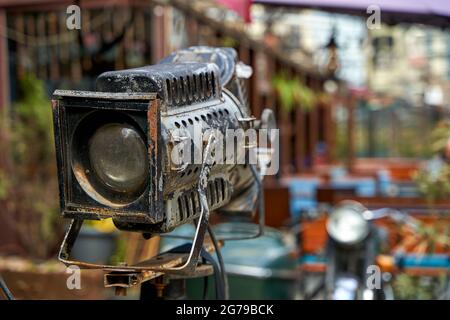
x,y
411,62
305,34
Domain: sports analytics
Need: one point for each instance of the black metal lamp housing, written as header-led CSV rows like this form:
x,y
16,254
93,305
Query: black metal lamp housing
x,y
114,144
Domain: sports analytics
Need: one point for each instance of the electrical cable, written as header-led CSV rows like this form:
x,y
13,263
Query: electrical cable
x,y
261,215
221,262
206,256
205,288
5,289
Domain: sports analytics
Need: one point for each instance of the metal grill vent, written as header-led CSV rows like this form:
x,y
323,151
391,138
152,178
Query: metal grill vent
x,y
189,202
176,83
191,88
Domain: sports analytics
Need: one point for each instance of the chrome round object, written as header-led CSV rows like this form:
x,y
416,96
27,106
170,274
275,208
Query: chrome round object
x,y
118,157
346,224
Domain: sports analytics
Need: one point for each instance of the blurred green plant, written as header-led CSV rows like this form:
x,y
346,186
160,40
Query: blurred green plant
x,y
229,42
120,251
33,123
4,185
433,186
433,181
439,136
292,92
407,287
30,184
4,179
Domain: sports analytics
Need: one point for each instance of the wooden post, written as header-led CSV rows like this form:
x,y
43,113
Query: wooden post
x,y
299,140
285,145
244,56
255,97
52,21
5,138
30,30
329,131
271,102
159,33
42,72
286,132
193,32
4,64
314,123
351,101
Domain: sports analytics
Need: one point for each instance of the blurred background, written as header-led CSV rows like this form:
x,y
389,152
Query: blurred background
x,y
361,94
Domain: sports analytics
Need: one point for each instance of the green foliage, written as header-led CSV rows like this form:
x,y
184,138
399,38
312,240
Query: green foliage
x,y
434,182
229,42
31,182
409,146
4,185
417,288
34,121
120,250
292,92
440,136
4,179
434,186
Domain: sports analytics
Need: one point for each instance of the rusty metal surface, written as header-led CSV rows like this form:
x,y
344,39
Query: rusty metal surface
x,y
158,100
69,241
227,61
188,102
105,95
155,158
122,279
177,84
175,265
203,220
182,264
166,186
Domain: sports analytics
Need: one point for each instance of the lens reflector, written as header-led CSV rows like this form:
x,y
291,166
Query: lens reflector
x,y
117,154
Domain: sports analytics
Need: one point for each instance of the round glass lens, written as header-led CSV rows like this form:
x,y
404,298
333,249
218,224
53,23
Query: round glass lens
x,y
118,157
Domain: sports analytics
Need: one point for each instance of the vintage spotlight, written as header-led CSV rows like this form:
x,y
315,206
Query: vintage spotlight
x,y
115,145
